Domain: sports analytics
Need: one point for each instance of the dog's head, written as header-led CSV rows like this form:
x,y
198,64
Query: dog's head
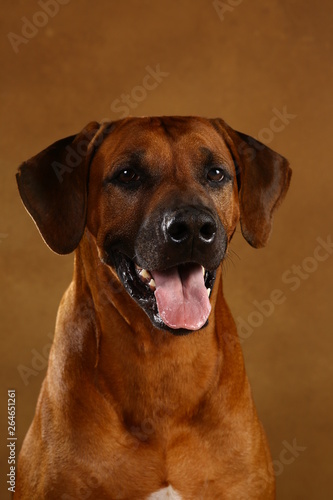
x,y
162,198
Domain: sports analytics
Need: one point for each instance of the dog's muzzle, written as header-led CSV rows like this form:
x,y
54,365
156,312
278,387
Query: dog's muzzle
x,y
172,269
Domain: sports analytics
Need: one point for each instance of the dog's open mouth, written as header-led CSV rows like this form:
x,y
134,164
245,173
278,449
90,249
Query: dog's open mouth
x,y
176,299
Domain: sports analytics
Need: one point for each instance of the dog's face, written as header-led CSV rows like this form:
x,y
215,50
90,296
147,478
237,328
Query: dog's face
x,y
163,205
162,197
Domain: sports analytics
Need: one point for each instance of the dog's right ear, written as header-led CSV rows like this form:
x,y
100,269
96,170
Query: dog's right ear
x,y
53,187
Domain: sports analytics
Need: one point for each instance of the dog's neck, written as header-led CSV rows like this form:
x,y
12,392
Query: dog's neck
x,y
140,367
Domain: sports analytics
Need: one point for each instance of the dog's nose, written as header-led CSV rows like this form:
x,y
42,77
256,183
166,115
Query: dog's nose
x,y
189,223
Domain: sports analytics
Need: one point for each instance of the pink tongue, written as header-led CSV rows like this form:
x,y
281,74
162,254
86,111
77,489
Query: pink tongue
x,y
181,297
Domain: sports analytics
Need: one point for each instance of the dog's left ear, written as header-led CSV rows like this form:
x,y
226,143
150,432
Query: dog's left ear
x,y
53,187
263,178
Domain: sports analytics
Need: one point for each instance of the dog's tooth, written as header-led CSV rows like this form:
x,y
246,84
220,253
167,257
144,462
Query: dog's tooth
x,y
203,270
145,274
152,285
208,291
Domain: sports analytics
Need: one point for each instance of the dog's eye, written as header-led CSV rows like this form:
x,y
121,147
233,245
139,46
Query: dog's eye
x,y
215,174
127,175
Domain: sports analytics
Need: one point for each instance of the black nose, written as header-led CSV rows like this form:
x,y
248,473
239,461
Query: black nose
x,y
189,223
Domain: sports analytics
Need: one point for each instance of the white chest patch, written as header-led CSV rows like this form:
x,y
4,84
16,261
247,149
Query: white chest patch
x,y
165,494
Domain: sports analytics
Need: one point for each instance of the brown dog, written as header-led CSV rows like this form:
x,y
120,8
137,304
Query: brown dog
x,y
132,406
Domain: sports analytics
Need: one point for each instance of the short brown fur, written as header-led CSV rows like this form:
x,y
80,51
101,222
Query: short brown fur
x,y
127,409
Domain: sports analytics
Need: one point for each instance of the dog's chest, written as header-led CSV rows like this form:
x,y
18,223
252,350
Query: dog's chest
x,y
165,494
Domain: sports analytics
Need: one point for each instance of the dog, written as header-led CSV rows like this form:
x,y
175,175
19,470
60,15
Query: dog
x,y
146,395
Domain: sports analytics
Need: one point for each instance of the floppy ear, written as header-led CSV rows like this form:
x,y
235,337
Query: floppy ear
x,y
263,179
53,187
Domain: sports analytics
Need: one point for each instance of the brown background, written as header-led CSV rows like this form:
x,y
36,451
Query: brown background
x,y
263,56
